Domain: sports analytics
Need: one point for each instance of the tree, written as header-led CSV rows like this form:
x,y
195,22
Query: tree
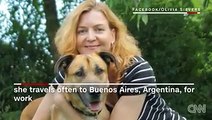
x,y
27,55
178,47
27,48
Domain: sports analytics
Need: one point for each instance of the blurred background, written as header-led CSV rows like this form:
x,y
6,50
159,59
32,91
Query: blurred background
x,y
178,47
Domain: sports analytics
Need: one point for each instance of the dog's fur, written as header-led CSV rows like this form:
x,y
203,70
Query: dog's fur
x,y
90,68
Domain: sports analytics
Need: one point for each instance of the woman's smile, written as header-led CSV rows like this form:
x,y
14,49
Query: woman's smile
x,y
92,47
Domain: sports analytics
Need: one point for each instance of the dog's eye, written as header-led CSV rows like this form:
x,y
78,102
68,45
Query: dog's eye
x,y
80,73
99,70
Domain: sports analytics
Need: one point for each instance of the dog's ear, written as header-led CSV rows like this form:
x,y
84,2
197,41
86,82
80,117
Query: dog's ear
x,y
63,62
108,58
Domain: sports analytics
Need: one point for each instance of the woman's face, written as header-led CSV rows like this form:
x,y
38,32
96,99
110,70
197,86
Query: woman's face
x,y
94,33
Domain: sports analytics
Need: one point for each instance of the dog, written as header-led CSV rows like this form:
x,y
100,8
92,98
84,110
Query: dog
x,y
86,68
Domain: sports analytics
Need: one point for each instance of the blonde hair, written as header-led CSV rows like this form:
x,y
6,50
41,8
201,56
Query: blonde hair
x,y
124,47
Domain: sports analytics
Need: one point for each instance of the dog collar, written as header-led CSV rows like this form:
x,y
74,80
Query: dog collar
x,y
60,76
84,112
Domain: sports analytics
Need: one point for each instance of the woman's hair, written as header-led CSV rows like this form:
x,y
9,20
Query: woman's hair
x,y
124,47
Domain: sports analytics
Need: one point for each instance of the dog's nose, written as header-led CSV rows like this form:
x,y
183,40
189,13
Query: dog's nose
x,y
95,94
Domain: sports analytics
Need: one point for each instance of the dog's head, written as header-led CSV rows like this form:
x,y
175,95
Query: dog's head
x,y
86,69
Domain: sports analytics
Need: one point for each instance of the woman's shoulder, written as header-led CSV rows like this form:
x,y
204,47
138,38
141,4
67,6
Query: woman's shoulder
x,y
138,69
138,74
138,63
137,59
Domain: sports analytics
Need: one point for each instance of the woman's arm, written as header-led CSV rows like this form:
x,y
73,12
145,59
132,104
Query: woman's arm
x,y
128,107
44,110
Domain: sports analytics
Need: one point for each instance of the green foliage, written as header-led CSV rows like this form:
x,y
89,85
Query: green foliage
x,y
24,52
122,9
178,48
11,115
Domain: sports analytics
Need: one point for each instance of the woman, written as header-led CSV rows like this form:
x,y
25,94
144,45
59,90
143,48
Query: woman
x,y
93,27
